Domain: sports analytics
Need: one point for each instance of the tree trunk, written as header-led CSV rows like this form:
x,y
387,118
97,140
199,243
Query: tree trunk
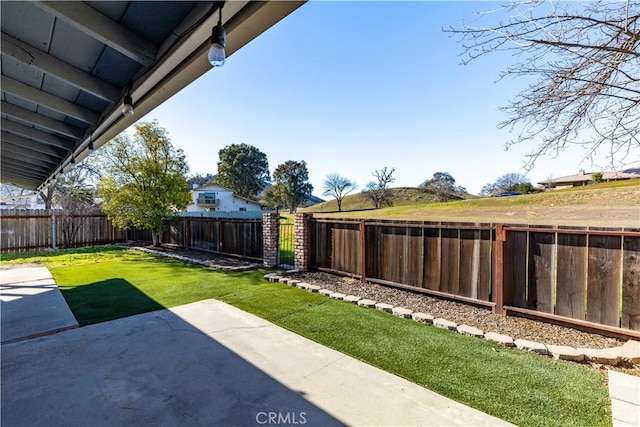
x,y
155,236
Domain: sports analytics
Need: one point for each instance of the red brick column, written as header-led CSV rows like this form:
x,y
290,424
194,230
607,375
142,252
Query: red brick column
x,y
271,239
302,236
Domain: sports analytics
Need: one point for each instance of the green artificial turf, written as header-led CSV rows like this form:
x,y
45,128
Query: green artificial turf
x,y
519,387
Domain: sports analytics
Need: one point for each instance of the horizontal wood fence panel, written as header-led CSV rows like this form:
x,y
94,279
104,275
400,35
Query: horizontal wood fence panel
x,y
36,229
590,275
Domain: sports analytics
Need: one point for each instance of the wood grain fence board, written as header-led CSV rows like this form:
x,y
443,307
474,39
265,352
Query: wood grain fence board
x,y
390,256
432,260
371,253
631,284
469,263
415,257
345,250
603,280
485,271
450,261
541,271
515,266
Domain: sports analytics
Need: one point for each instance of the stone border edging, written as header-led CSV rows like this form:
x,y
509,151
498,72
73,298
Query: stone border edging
x,y
196,261
628,352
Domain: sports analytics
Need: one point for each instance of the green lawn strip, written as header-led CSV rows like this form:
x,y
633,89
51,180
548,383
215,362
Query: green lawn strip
x,y
523,388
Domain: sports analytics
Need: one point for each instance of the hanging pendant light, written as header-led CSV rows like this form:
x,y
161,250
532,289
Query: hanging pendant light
x,y
127,106
217,55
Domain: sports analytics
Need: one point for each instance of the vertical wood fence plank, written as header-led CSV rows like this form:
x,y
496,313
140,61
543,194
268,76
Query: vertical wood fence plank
x,y
431,259
515,269
603,280
469,263
541,271
631,284
571,276
449,261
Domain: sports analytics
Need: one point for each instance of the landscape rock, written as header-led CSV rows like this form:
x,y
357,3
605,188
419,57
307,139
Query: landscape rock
x,y
325,292
292,282
505,340
445,324
369,303
601,356
353,299
384,307
470,330
563,352
629,352
337,295
532,346
402,312
302,285
422,318
313,288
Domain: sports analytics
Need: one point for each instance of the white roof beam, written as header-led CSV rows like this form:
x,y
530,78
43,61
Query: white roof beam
x,y
48,100
35,134
102,28
33,57
40,120
28,144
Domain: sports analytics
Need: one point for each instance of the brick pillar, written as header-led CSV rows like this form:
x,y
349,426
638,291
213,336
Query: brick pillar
x,y
271,239
302,236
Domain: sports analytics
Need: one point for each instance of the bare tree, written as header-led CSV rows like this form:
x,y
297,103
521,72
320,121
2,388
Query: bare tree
x,y
378,191
444,187
586,58
338,187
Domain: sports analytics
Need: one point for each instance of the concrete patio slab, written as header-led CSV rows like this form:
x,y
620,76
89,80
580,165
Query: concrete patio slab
x,y
206,363
31,304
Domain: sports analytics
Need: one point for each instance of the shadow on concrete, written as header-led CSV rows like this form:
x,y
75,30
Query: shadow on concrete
x,y
151,369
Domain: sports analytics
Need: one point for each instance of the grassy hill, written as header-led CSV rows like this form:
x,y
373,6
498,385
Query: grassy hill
x,y
615,204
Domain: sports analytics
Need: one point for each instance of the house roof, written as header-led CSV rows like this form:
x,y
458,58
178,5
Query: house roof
x,y
67,66
588,177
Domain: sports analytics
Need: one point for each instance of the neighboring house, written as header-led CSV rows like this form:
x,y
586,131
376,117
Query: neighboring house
x,y
582,178
214,198
25,201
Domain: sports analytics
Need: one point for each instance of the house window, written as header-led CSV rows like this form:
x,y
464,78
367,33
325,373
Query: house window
x,y
243,209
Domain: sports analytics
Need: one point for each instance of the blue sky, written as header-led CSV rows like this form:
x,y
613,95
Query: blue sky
x,y
350,87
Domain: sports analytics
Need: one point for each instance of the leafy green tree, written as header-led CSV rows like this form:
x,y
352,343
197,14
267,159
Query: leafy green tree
x,y
378,191
144,181
199,179
273,197
338,187
596,177
292,183
243,168
443,185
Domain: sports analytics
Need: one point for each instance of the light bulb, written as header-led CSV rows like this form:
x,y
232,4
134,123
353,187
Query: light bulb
x,y
216,53
127,107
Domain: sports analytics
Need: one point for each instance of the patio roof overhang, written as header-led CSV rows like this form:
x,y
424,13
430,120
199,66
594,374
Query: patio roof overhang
x,y
67,66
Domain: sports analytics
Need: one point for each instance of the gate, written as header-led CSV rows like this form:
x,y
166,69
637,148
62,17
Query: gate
x,y
287,242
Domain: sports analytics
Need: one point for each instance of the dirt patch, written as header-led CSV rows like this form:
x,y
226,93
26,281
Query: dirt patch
x,y
210,258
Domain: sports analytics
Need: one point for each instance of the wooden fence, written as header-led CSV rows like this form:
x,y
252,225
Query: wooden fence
x,y
24,229
238,237
584,277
